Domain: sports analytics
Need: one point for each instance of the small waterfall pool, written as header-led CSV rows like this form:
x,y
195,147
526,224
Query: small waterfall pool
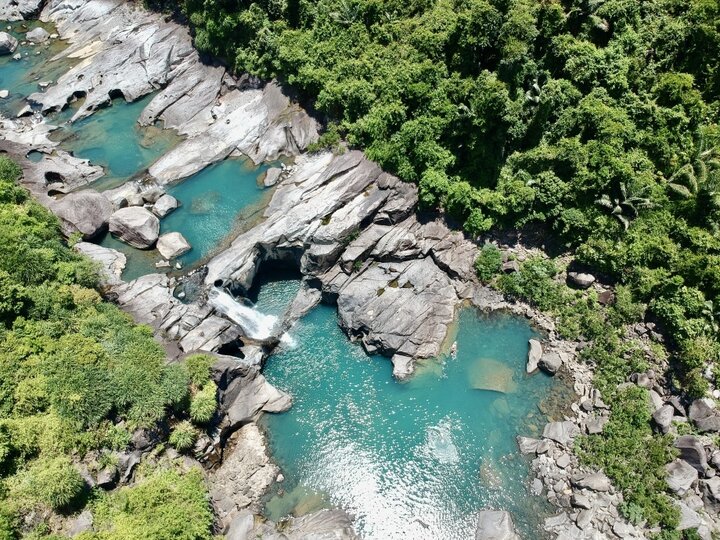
x,y
408,460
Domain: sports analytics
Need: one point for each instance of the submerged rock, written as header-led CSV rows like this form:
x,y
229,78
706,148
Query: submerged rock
x,y
8,44
172,245
489,374
86,212
135,226
495,525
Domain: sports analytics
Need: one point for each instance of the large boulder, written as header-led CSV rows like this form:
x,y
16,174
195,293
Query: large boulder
x,y
705,415
271,176
663,417
550,362
580,279
495,525
164,205
86,212
8,44
37,35
135,226
680,476
172,245
693,452
534,355
561,432
594,481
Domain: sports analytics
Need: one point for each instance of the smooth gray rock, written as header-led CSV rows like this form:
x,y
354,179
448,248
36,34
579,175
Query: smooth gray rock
x,y
561,432
135,226
595,423
595,482
712,487
172,245
527,445
83,522
17,10
111,261
495,525
580,500
86,212
152,195
689,518
705,415
693,452
534,355
550,362
37,35
680,476
663,417
580,280
8,44
271,176
164,205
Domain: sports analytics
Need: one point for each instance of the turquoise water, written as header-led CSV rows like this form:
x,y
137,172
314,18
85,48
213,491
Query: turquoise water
x,y
112,138
21,77
408,460
215,204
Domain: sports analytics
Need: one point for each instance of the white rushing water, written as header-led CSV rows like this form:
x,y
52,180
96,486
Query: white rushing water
x,y
254,324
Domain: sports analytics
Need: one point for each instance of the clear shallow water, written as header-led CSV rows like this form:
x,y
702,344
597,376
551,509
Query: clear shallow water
x,y
21,77
408,460
112,138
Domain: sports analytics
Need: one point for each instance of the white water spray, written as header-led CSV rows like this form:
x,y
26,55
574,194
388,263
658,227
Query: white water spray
x,y
254,324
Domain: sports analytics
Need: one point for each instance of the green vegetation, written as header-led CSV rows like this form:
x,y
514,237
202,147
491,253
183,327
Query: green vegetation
x,y
593,123
77,375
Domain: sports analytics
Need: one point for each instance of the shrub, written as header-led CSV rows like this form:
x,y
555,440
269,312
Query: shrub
x,y
52,482
203,404
198,368
183,436
488,262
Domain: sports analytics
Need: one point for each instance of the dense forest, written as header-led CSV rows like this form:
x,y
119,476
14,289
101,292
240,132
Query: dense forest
x,y
78,381
589,123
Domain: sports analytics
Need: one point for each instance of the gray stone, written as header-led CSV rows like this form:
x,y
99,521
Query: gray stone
x,y
510,267
37,35
692,451
495,525
534,355
8,44
83,522
551,362
86,212
579,500
689,518
563,461
107,477
595,482
561,432
595,423
527,445
584,518
4,94
135,226
705,415
680,476
712,487
111,261
271,176
580,280
536,488
172,245
663,417
164,205
152,195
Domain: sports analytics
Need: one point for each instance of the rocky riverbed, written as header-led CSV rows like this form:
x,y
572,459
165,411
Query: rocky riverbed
x,y
347,227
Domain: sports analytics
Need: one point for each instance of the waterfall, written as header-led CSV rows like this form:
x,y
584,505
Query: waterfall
x,y
254,324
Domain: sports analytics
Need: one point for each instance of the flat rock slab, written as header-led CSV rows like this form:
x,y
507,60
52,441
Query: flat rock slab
x,y
495,525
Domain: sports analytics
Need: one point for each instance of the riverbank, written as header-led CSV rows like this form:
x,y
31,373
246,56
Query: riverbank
x,y
345,225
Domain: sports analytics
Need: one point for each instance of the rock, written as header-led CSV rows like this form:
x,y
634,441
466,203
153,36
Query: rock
x,y
107,477
536,488
580,280
152,195
527,445
561,432
579,500
534,355
510,267
693,452
83,522
135,199
563,461
135,226
164,205
584,518
595,482
173,244
271,176
86,212
595,423
37,35
4,94
17,56
712,487
551,362
8,44
705,415
680,476
606,298
241,526
689,518
495,525
111,261
663,417
642,380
